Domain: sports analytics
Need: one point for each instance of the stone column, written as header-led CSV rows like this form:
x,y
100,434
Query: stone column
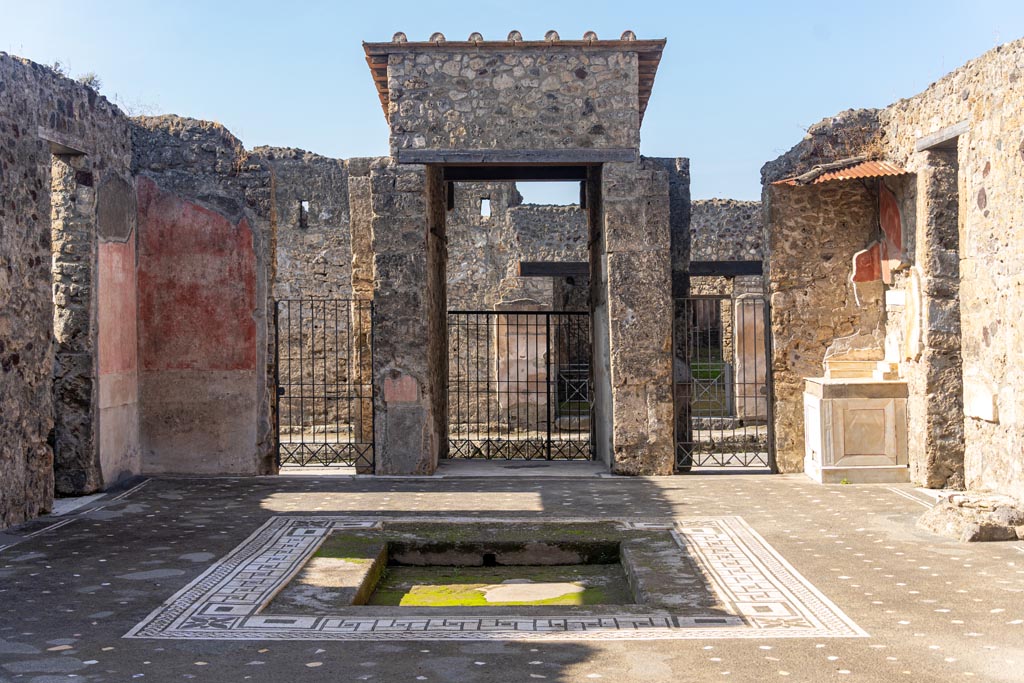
x,y
935,407
407,440
360,204
73,208
680,241
636,252
751,362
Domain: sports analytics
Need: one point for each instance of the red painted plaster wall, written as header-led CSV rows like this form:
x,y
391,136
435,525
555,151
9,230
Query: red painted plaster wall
x,y
197,286
118,361
198,378
116,310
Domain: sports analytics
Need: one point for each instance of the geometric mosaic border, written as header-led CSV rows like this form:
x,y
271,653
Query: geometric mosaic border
x,y
764,596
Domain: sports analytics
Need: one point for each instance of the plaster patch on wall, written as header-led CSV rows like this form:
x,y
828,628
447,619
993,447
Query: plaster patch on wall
x,y
981,399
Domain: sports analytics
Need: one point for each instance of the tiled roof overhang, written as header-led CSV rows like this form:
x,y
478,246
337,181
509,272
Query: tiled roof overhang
x,y
648,55
850,169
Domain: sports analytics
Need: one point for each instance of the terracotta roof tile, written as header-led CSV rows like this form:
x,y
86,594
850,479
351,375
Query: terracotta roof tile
x,y
857,169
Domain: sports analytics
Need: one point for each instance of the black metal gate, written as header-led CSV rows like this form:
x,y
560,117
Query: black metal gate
x,y
519,385
324,388
722,382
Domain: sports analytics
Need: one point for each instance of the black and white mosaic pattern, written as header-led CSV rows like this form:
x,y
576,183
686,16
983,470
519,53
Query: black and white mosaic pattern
x,y
764,596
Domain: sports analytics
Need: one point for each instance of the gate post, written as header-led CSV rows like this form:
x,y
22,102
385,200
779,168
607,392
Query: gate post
x,y
409,363
638,281
360,202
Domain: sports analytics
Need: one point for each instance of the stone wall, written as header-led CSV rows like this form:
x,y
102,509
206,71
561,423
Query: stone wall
x,y
634,270
814,233
848,134
546,233
978,266
484,253
205,256
552,98
48,121
479,247
726,230
950,315
407,248
313,237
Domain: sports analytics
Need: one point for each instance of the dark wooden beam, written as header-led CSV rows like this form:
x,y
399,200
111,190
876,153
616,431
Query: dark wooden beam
x,y
513,173
554,269
514,157
726,268
650,49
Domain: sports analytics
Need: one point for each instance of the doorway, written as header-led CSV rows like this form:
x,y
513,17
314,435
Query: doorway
x,y
520,381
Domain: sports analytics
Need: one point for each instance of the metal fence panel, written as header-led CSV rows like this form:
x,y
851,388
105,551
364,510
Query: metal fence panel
x,y
722,382
324,365
519,385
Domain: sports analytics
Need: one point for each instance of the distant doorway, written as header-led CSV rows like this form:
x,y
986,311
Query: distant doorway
x,y
519,385
520,381
324,388
722,382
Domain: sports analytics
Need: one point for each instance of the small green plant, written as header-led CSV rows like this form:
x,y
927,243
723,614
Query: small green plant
x,y
90,80
844,481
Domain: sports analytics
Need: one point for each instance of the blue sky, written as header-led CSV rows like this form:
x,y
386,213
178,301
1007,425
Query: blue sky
x,y
739,83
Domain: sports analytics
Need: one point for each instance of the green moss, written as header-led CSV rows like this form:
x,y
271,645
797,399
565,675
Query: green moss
x,y
464,586
352,547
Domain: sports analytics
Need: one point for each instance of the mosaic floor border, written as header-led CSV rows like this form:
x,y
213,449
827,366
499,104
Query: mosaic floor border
x,y
763,594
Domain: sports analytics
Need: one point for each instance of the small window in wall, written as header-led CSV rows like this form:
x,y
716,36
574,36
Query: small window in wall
x,y
304,213
485,207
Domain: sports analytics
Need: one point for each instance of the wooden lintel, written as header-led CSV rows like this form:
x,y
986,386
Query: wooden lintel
x,y
495,174
492,157
943,139
554,269
726,268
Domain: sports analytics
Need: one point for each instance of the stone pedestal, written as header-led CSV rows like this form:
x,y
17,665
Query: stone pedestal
x,y
751,362
520,370
855,430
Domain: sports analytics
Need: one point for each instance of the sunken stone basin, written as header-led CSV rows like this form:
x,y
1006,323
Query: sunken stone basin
x,y
474,565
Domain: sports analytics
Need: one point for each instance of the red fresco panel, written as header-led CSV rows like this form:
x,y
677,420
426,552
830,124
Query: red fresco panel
x,y
867,264
116,307
197,286
889,217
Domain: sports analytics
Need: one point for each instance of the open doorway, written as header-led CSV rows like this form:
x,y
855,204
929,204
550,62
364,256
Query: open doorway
x,y
520,380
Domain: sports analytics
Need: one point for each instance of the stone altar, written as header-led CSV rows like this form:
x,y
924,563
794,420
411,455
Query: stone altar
x,y
855,430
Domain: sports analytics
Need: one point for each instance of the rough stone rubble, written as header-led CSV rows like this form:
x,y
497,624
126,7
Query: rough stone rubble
x,y
174,219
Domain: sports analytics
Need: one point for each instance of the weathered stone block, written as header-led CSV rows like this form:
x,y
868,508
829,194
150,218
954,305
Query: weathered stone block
x,y
525,99
972,517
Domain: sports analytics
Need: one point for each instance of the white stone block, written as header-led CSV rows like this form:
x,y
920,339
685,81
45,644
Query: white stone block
x,y
981,400
855,431
895,297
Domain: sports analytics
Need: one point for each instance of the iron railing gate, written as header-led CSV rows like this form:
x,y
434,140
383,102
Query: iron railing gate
x,y
519,385
324,365
722,382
